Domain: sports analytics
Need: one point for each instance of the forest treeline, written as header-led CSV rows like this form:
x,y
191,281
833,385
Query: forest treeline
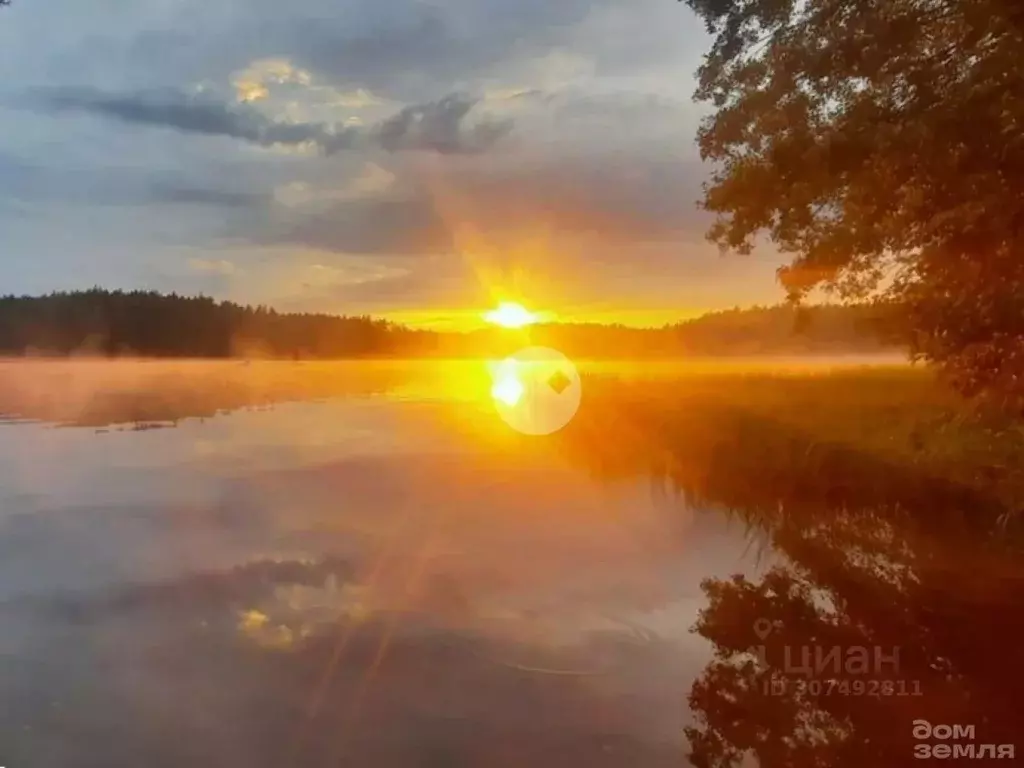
x,y
149,324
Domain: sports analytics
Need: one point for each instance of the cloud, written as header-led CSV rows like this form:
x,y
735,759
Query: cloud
x,y
256,81
437,126
359,98
406,47
251,84
198,113
617,202
512,93
574,188
597,170
250,90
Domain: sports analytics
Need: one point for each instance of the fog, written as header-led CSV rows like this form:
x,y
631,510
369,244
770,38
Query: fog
x,y
314,560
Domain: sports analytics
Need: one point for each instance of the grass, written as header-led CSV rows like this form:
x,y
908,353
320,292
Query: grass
x,y
848,426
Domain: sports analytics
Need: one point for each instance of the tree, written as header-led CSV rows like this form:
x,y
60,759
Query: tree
x,y
152,324
880,143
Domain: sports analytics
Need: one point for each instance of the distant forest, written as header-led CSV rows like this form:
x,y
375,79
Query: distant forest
x,y
149,324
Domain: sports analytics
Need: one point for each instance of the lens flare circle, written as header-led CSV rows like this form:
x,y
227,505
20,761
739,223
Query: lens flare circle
x,y
536,391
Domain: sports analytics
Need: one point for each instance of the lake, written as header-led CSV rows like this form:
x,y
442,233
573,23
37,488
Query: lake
x,y
267,564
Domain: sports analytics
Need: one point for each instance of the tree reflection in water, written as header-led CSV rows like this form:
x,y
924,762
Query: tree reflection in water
x,y
875,556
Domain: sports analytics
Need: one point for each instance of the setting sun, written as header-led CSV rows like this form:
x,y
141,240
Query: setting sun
x,y
511,315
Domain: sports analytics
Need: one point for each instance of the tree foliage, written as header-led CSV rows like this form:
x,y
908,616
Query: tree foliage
x,y
880,143
150,324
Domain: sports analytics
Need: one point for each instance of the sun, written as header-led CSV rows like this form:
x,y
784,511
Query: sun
x,y
510,315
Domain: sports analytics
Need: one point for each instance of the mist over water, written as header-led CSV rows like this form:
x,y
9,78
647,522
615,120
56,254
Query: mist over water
x,y
225,563
184,543
99,392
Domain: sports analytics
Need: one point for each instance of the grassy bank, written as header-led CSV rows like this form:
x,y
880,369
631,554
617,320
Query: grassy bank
x,y
775,424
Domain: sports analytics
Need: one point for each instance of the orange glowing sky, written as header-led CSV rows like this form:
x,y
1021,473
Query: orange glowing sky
x,y
643,285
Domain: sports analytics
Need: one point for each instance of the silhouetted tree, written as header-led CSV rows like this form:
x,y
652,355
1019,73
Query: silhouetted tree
x,y
875,138
146,323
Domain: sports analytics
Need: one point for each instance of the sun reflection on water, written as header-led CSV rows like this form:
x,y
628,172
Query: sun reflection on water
x,y
507,386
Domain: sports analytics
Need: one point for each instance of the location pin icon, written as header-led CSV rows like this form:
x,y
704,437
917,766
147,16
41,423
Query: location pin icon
x,y
762,628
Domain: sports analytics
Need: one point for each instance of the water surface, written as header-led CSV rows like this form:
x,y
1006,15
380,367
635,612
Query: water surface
x,y
357,564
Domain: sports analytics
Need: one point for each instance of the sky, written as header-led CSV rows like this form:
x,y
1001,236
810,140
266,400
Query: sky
x,y
420,160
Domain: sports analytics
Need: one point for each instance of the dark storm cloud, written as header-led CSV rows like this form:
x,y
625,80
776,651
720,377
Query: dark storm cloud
x,y
440,126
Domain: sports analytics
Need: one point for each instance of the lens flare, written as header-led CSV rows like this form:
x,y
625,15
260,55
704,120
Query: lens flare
x,y
536,391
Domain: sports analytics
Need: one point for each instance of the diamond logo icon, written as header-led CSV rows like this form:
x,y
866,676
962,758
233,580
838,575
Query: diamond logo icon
x,y
536,391
559,382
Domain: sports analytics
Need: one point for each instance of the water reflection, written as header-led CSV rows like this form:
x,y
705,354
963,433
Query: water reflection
x,y
374,572
878,563
134,393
